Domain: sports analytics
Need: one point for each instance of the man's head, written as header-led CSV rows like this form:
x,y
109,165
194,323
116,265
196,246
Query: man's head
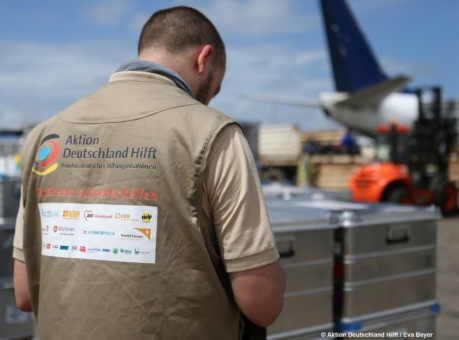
x,y
184,40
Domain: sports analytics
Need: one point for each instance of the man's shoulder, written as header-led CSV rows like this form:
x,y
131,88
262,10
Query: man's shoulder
x,y
211,112
41,128
37,136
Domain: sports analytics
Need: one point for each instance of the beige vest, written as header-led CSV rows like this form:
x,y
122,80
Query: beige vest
x,y
137,143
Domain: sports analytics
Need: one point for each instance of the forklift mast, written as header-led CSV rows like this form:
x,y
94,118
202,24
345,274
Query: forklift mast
x,y
431,139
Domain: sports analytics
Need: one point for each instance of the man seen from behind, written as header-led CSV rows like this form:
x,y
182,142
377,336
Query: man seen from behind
x,y
142,215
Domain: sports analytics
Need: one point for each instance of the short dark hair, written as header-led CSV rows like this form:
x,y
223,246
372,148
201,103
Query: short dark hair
x,y
179,28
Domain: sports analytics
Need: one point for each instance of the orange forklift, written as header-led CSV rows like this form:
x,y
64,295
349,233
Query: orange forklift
x,y
411,167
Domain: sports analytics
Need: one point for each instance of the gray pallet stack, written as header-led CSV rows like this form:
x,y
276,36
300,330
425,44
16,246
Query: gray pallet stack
x,y
14,324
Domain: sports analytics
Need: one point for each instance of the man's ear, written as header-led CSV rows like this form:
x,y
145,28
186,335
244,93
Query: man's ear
x,y
204,57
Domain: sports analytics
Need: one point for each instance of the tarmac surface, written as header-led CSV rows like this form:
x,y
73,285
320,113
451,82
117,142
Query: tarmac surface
x,y
448,278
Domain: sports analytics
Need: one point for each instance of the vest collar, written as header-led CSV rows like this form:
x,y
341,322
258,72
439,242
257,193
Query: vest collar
x,y
155,68
139,76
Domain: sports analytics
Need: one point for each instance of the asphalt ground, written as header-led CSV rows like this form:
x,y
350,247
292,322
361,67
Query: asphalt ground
x,y
448,278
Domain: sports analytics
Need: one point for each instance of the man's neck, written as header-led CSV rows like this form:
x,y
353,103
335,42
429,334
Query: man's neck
x,y
152,67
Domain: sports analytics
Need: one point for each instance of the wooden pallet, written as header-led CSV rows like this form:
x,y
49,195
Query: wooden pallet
x,y
453,169
334,171
334,176
453,173
337,159
454,156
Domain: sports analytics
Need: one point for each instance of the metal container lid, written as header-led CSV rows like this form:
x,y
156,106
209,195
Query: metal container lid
x,y
388,213
6,282
7,223
276,191
290,218
353,214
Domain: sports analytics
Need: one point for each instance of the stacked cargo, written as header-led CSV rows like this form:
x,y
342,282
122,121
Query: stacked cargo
x,y
384,262
385,269
305,243
13,323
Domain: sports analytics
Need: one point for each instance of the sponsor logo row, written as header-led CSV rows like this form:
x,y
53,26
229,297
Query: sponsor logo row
x,y
89,250
70,231
89,214
61,230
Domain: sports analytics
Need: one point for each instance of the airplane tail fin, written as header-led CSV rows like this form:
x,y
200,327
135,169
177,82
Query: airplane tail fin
x,y
354,64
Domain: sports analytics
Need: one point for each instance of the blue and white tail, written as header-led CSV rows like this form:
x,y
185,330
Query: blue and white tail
x,y
354,65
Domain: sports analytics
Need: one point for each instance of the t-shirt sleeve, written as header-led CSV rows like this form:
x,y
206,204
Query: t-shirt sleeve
x,y
238,211
18,248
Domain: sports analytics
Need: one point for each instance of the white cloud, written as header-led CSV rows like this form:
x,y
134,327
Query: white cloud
x,y
261,67
108,12
36,85
274,69
38,79
376,5
47,67
138,20
255,18
396,67
250,17
260,17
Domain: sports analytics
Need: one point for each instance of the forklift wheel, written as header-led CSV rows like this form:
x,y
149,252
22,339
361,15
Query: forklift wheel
x,y
399,195
446,197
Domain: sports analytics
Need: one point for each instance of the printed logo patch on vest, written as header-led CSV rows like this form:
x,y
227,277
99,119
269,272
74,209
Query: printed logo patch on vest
x,y
146,217
105,232
45,160
82,152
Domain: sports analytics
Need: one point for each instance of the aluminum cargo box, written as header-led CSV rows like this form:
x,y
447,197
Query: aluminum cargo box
x,y
416,323
6,247
10,194
305,242
14,324
385,255
385,259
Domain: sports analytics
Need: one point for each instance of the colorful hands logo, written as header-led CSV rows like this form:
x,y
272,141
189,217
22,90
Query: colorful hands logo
x,y
46,156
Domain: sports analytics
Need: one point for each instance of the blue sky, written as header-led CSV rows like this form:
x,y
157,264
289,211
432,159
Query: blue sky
x,y
54,52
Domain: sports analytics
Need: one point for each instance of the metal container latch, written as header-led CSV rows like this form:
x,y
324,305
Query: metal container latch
x,y
398,234
332,218
349,216
286,246
317,196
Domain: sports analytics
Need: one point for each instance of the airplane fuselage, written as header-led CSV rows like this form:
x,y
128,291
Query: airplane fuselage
x,y
402,107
